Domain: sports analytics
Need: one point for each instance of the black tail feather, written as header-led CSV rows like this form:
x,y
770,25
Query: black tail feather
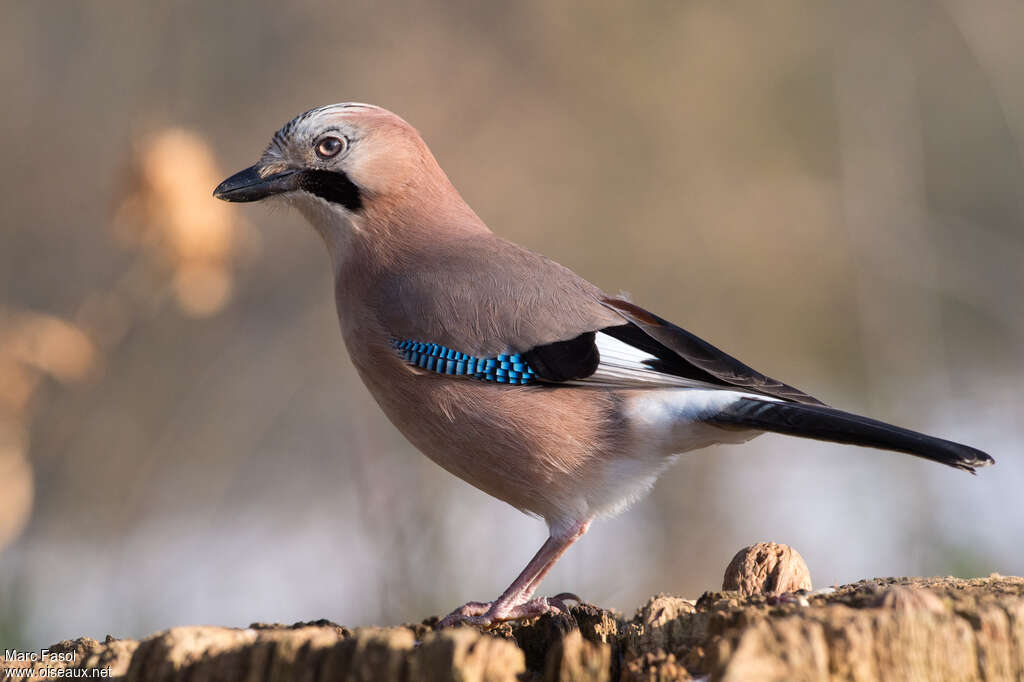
x,y
825,423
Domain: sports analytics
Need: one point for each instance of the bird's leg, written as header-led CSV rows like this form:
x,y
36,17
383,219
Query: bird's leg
x,y
574,533
515,602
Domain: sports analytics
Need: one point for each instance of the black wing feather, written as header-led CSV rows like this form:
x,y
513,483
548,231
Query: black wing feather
x,y
677,348
576,358
665,360
675,351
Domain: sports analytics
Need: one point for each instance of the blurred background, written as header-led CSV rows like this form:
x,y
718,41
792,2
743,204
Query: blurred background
x,y
830,191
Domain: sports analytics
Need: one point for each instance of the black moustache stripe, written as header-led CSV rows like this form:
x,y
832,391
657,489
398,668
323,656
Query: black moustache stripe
x,y
333,186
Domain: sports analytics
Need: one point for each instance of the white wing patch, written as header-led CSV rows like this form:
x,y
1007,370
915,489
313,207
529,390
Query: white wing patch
x,y
625,365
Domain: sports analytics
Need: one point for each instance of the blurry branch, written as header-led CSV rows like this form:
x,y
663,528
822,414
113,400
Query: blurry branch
x,y
186,242
32,346
47,344
167,211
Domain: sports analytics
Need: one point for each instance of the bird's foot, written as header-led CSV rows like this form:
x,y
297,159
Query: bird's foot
x,y
488,613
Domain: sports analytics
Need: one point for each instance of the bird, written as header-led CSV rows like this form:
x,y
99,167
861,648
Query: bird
x,y
506,368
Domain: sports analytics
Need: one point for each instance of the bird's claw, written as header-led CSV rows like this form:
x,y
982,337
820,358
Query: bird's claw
x,y
467,613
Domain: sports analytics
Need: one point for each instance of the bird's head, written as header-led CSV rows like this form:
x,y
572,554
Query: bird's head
x,y
347,164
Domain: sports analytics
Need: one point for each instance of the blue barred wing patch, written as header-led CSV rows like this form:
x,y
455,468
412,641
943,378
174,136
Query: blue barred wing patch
x,y
504,369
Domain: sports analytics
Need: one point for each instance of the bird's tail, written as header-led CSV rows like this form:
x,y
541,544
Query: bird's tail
x,y
825,423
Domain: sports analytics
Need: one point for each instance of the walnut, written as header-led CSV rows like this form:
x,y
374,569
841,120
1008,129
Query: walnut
x,y
767,568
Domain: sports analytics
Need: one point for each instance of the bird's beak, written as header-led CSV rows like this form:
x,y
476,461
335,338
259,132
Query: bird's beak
x,y
255,183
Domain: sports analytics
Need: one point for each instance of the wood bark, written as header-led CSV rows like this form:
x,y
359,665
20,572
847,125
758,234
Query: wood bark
x,y
883,629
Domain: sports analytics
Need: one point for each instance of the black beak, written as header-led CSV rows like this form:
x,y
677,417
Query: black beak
x,y
250,185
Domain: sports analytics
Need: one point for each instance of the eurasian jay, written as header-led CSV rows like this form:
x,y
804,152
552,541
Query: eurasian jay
x,y
505,368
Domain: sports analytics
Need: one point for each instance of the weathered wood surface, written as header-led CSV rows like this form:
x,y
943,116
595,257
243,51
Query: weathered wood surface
x,y
885,629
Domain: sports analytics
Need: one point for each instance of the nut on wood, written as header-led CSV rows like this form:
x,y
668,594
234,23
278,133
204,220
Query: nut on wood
x,y
767,568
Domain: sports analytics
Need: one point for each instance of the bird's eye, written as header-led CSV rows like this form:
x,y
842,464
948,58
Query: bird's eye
x,y
329,146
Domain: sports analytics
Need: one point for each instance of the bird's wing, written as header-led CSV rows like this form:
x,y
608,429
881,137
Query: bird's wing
x,y
498,306
484,296
673,351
